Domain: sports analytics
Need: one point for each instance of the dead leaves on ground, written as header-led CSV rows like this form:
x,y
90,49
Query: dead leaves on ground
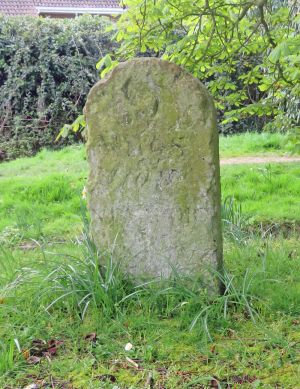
x,y
92,337
46,383
46,350
42,349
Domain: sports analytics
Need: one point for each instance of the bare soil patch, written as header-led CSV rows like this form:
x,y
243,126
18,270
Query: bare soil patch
x,y
253,159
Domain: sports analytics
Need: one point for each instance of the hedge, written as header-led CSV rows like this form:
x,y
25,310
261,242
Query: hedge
x,y
47,67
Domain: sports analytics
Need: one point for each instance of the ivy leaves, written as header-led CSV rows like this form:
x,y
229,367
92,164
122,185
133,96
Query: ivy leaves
x,y
47,68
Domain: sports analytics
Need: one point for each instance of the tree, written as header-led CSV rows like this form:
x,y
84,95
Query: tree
x,y
246,52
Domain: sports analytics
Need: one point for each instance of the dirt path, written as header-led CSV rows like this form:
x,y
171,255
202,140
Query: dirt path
x,y
252,159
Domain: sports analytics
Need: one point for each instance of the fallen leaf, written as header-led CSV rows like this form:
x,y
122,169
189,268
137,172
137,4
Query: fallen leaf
x,y
213,349
55,343
162,370
37,347
26,354
41,348
231,333
243,379
33,360
52,350
39,342
92,337
107,377
214,383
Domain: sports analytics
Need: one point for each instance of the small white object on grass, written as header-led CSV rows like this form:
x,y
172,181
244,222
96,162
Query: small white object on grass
x,y
128,347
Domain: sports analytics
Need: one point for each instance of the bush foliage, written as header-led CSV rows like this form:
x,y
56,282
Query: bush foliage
x,y
47,67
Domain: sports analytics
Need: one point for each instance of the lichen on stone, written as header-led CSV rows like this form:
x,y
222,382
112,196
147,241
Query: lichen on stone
x,y
154,185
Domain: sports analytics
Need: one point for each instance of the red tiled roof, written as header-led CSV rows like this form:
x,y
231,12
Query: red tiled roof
x,y
17,7
78,3
28,7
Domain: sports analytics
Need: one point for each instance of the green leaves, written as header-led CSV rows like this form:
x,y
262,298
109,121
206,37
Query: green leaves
x,y
78,124
47,67
107,64
245,53
282,50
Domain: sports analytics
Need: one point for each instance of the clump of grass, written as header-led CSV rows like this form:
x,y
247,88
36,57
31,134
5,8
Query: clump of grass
x,y
185,297
93,278
237,298
10,236
98,280
7,352
275,263
11,278
234,221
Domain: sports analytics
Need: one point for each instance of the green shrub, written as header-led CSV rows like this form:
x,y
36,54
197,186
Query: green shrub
x,y
47,67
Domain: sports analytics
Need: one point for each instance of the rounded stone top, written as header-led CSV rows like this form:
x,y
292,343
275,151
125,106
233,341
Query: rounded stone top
x,y
141,76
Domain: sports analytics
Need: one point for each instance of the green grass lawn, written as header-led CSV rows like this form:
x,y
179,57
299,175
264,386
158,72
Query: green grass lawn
x,y
268,192
47,277
254,144
51,184
264,352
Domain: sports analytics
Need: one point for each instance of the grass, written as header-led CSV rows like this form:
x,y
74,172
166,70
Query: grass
x,y
266,351
268,193
52,289
52,182
247,144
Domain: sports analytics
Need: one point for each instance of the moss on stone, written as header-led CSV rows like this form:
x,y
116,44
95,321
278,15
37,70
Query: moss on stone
x,y
154,168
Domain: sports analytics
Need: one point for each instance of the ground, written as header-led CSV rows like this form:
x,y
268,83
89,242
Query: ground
x,y
181,337
254,160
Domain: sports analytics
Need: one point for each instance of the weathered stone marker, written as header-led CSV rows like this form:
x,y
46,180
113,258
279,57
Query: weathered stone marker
x,y
154,184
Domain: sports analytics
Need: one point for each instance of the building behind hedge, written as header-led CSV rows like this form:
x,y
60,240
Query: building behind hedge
x,y
61,8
